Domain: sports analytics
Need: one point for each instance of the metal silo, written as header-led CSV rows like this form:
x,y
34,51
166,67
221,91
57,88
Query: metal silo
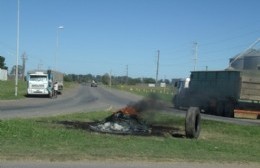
x,y
252,60
246,60
237,64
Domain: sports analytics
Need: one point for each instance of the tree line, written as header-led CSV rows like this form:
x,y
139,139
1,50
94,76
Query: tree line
x,y
114,80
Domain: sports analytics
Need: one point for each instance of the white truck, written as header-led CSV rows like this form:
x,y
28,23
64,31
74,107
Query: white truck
x,y
40,82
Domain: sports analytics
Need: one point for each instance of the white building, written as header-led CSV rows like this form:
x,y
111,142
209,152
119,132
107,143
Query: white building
x,y
3,74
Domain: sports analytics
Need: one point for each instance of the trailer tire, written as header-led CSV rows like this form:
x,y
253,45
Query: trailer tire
x,y
220,109
192,123
229,110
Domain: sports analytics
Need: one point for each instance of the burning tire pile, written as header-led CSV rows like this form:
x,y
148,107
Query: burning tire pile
x,y
122,123
128,121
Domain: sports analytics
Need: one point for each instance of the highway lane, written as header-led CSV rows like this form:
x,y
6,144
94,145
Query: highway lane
x,y
80,99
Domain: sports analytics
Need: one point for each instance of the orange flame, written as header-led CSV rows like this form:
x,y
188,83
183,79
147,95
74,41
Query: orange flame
x,y
129,111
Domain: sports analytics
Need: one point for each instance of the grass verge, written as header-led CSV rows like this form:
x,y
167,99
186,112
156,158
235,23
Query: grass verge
x,y
7,91
66,138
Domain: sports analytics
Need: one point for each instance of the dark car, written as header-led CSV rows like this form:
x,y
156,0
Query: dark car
x,y
93,84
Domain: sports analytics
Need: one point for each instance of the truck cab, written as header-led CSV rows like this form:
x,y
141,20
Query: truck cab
x,y
37,83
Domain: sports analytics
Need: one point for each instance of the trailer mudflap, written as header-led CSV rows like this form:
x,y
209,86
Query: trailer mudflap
x,y
246,114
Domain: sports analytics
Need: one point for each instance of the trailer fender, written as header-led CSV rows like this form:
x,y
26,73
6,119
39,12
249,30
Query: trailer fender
x,y
192,122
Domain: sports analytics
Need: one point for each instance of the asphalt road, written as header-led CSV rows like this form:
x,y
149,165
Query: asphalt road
x,y
80,99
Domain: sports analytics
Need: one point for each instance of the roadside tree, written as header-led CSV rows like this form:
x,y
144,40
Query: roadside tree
x,y
2,63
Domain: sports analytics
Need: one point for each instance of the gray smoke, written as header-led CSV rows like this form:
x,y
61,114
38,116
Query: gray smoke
x,y
150,103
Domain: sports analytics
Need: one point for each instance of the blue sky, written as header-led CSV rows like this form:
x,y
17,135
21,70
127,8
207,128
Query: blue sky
x,y
100,36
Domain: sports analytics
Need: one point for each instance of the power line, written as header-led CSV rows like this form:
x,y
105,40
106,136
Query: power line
x,y
231,38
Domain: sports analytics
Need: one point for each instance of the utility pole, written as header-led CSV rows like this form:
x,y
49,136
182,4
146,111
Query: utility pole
x,y
126,80
157,68
17,47
24,58
195,48
110,78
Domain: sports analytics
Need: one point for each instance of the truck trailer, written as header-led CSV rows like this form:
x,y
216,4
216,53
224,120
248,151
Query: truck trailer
x,y
40,82
223,93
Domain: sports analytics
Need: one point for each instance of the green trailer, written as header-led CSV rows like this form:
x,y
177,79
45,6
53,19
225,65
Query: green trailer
x,y
222,92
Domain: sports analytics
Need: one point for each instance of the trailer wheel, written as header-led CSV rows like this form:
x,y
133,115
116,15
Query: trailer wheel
x,y
192,122
220,109
229,110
